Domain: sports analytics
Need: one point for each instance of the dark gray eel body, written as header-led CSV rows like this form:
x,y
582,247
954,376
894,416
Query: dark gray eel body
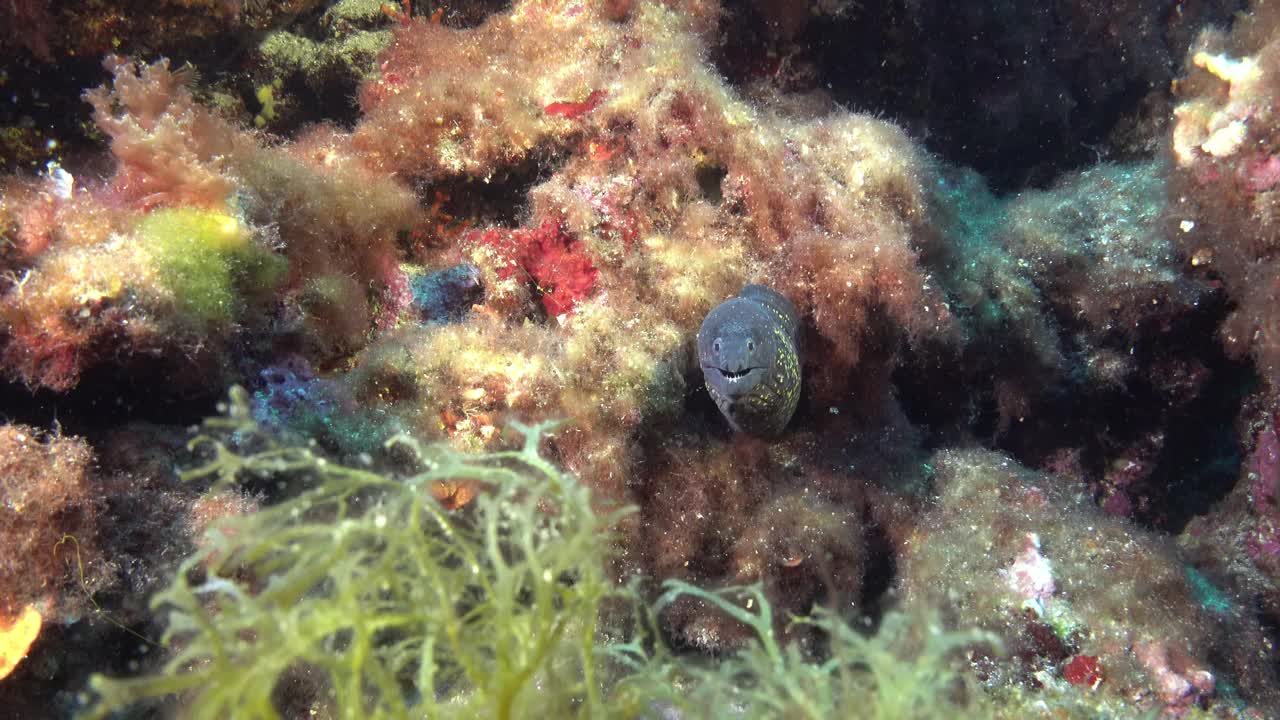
x,y
749,349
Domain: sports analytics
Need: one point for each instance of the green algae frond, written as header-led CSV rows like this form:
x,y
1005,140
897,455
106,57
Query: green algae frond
x,y
358,595
910,669
204,257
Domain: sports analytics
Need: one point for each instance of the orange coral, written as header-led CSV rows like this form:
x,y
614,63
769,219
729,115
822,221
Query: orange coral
x,y
16,638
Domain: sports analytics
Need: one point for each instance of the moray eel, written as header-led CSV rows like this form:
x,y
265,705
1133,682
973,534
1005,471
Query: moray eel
x,y
749,349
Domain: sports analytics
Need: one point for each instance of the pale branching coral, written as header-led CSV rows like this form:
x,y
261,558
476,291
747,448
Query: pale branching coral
x,y
171,150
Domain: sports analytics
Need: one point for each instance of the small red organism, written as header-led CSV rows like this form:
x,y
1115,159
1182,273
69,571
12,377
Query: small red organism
x,y
1083,671
563,274
575,110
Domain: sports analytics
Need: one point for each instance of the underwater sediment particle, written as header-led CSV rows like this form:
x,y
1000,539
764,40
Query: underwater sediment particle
x,y
748,347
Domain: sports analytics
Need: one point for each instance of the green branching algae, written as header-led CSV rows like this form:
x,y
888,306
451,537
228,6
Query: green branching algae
x,y
390,605
909,670
357,595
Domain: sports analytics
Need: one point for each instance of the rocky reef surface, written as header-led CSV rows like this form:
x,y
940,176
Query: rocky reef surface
x,y
349,359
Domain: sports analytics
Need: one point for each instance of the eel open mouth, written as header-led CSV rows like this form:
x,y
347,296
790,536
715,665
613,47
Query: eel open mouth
x,y
733,376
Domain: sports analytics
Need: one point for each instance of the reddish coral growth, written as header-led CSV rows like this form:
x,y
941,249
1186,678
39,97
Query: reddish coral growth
x,y
396,298
36,226
550,258
1262,173
1265,464
1083,670
575,110
51,356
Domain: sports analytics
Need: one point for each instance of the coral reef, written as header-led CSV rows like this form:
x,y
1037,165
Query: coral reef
x,y
1222,205
1007,483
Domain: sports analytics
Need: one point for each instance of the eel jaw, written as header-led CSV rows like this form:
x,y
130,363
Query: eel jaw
x,y
733,382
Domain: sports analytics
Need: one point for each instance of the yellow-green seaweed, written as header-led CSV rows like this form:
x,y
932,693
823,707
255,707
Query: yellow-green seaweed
x,y
204,257
910,669
390,602
358,595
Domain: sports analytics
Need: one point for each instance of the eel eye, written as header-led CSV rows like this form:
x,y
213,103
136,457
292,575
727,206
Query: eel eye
x,y
716,345
751,345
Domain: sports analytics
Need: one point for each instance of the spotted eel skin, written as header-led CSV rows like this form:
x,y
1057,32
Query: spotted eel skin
x,y
749,350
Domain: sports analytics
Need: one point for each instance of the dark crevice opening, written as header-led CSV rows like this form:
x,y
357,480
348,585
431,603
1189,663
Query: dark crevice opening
x,y
1021,92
